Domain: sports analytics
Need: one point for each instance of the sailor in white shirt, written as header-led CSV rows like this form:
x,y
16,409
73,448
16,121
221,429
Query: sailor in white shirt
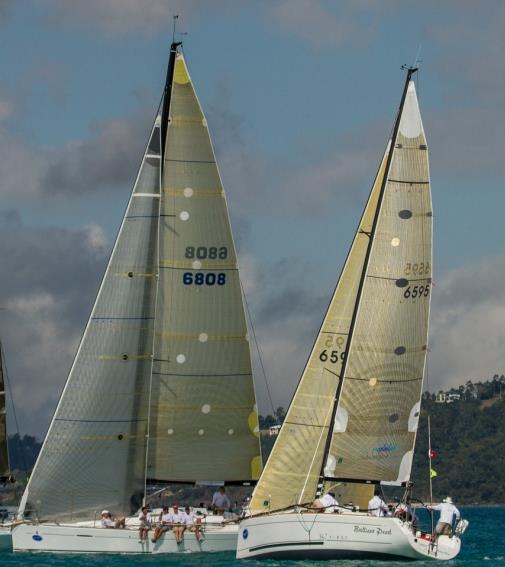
x,y
447,513
194,522
178,521
377,506
108,522
326,503
163,523
220,501
144,523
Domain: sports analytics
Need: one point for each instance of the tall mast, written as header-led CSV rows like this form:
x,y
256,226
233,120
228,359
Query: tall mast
x,y
167,93
371,235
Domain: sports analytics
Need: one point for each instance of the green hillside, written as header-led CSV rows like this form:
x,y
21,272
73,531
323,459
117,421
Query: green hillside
x,y
469,437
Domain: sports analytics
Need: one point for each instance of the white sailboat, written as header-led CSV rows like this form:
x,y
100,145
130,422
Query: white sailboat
x,y
353,419
161,388
5,470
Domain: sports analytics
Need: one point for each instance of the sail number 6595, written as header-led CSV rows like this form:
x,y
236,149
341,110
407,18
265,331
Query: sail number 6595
x,y
332,355
417,291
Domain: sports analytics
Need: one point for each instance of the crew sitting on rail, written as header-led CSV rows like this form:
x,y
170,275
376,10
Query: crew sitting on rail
x,y
163,524
108,521
326,503
178,521
144,523
194,523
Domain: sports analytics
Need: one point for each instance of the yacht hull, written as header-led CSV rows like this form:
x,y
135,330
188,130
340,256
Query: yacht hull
x,y
5,539
87,539
296,535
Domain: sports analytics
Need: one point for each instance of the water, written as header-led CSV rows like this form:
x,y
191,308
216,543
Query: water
x,y
483,546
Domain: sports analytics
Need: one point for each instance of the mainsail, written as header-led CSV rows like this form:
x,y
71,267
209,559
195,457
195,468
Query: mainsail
x,y
354,414
161,385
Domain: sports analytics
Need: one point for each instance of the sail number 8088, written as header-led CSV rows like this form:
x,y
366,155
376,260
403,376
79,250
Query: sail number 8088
x,y
203,252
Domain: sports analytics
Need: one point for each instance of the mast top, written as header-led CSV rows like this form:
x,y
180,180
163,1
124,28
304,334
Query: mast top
x,y
175,44
411,69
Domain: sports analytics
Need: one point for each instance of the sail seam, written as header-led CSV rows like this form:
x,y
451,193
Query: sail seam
x,y
408,182
199,374
100,420
190,160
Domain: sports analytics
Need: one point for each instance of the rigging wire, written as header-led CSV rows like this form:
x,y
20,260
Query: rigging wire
x,y
259,353
14,414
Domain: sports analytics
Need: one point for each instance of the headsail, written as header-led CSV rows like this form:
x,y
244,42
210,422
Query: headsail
x,y
93,453
294,472
161,383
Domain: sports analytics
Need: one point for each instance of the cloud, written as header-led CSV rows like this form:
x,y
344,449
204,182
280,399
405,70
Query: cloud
x,y
50,280
4,9
272,187
467,331
121,18
108,159
286,308
327,25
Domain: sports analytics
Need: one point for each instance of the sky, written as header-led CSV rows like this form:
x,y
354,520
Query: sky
x,y
300,97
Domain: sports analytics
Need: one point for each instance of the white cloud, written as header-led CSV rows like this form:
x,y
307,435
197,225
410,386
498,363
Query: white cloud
x,y
120,18
328,24
50,279
467,330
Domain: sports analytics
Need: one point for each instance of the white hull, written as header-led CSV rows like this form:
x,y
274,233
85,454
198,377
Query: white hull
x,y
296,535
89,539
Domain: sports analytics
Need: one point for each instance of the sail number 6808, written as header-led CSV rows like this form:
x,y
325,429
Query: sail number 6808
x,y
200,278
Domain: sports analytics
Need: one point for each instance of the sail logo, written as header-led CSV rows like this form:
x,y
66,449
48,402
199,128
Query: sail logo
x,y
37,537
245,533
384,450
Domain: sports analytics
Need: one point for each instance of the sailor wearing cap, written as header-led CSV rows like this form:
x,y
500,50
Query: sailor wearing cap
x,y
447,513
107,521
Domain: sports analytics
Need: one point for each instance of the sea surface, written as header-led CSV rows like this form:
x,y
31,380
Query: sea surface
x,y
483,544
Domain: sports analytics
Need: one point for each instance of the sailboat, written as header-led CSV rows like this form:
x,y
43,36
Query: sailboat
x,y
351,426
5,471
161,390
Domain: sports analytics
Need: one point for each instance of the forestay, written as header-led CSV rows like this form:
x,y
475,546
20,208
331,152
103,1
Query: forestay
x,y
204,425
93,454
378,409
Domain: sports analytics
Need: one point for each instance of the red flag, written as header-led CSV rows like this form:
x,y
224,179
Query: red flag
x,y
432,454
